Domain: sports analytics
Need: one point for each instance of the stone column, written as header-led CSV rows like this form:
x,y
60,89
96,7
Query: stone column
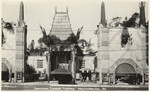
x,y
98,56
143,78
23,76
114,78
10,72
15,76
108,77
100,71
21,33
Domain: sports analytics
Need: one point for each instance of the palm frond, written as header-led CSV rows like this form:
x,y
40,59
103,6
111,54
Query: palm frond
x,y
49,40
8,26
78,33
55,39
43,31
65,45
72,39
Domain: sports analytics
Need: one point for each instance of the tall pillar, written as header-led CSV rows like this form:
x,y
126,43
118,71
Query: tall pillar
x,y
15,76
102,24
21,31
114,82
10,72
98,56
143,78
20,54
143,53
108,77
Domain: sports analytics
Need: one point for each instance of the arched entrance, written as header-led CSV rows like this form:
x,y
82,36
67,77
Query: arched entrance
x,y
125,68
6,70
5,73
126,71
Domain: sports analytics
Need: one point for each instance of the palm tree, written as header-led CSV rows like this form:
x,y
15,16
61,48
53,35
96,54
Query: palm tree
x,y
73,40
50,41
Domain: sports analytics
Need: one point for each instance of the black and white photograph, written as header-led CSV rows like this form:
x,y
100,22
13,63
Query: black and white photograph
x,y
74,45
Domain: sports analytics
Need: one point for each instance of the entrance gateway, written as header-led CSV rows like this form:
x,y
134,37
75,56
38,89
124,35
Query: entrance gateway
x,y
126,71
6,70
5,73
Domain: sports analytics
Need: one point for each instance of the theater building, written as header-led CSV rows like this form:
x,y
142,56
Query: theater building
x,y
121,53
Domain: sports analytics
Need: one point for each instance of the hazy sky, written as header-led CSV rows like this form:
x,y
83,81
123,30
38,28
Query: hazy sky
x,y
81,12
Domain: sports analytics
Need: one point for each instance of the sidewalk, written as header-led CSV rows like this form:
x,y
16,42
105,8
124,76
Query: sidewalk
x,y
78,83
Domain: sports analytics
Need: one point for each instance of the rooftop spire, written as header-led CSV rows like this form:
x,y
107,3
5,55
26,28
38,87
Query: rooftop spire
x,y
142,14
21,14
103,19
61,26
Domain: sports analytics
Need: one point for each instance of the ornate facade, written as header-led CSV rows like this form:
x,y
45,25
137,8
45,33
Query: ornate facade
x,y
14,52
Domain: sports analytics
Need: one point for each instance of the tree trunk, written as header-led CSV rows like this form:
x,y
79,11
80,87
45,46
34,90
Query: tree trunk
x,y
49,64
73,66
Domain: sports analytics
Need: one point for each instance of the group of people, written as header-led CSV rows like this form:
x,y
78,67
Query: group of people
x,y
86,76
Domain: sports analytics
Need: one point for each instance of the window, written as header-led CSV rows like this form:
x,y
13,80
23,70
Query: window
x,y
39,63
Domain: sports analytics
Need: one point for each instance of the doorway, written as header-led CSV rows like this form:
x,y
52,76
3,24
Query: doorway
x,y
126,74
5,73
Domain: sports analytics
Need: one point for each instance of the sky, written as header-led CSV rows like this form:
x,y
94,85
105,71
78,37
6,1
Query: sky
x,y
81,12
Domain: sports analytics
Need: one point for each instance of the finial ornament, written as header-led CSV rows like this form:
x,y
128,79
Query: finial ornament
x,y
142,4
67,9
142,14
55,9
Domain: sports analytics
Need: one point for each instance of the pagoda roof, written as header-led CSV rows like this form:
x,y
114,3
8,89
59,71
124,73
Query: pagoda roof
x,y
61,26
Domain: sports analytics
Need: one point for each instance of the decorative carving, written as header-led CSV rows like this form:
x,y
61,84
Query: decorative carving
x,y
20,31
19,43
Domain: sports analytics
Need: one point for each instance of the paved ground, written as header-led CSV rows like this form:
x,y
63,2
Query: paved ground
x,y
79,86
